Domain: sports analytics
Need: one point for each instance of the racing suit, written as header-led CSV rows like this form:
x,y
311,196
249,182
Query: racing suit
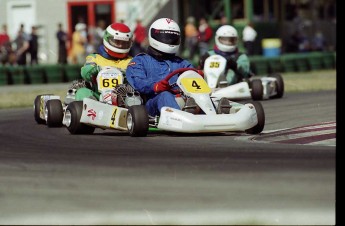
x,y
238,62
147,69
91,69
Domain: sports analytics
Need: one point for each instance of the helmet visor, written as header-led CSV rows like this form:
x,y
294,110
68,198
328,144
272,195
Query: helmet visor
x,y
229,41
120,44
166,36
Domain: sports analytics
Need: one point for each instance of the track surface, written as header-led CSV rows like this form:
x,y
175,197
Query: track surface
x,y
51,177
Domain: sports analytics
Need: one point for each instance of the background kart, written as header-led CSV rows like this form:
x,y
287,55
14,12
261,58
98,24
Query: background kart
x,y
256,88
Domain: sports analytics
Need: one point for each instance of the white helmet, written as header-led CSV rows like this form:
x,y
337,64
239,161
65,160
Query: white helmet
x,y
165,36
226,38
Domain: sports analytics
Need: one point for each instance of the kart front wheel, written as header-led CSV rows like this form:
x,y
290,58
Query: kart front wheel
x,y
72,118
257,89
261,119
54,113
279,85
37,110
137,121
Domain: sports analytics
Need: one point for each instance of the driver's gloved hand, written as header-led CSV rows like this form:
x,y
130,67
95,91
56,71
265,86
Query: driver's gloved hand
x,y
161,86
232,64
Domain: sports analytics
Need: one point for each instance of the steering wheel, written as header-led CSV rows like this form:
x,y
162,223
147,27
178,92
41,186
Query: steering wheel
x,y
180,70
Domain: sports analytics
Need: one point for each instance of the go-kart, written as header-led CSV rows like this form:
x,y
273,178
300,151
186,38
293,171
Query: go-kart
x,y
206,113
119,108
256,88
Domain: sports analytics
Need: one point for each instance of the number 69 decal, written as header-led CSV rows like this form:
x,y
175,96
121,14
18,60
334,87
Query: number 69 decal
x,y
109,82
195,85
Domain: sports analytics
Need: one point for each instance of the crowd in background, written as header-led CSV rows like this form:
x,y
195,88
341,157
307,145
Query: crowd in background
x,y
198,36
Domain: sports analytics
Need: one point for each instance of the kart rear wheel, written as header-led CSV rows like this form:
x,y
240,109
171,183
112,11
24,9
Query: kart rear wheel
x,y
37,109
54,113
279,85
72,116
261,119
257,89
137,121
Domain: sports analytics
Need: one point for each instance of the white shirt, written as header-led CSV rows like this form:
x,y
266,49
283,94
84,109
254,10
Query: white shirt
x,y
249,34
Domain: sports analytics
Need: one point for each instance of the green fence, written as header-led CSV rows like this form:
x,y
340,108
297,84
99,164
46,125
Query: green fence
x,y
38,74
293,62
260,65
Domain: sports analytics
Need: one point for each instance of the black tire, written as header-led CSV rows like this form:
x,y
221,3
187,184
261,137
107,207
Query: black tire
x,y
261,119
137,121
257,89
74,111
54,114
279,85
37,109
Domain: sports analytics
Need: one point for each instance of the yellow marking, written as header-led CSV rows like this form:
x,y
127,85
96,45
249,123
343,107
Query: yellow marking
x,y
195,85
113,118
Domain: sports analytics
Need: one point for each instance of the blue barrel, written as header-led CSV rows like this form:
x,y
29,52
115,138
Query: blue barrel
x,y
271,47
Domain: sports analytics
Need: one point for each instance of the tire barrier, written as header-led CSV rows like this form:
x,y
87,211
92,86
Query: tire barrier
x,y
38,74
260,65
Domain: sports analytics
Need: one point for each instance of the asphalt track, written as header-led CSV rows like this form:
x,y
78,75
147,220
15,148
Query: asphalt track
x,y
48,176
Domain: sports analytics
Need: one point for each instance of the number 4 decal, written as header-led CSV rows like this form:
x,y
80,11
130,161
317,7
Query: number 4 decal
x,y
113,118
195,84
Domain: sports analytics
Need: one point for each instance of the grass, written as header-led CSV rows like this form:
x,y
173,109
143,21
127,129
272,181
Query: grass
x,y
24,95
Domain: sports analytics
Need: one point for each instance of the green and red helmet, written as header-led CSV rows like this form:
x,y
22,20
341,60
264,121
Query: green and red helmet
x,y
117,40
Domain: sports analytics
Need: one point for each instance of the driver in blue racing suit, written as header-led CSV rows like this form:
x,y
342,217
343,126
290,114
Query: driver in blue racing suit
x,y
146,72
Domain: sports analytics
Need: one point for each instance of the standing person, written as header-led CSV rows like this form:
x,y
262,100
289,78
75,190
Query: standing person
x,y
117,41
79,42
205,36
5,45
191,37
62,38
97,35
33,46
147,71
139,38
22,46
249,35
226,39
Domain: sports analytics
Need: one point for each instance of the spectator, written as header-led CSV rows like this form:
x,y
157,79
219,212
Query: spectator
x,y
33,46
22,46
205,35
5,45
62,38
97,35
191,37
223,21
139,44
79,42
249,35
318,42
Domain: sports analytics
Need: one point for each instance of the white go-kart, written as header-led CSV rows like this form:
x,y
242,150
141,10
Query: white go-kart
x,y
256,88
109,112
206,113
118,108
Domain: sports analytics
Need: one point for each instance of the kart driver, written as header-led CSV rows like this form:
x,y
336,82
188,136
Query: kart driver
x,y
226,45
117,41
146,71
